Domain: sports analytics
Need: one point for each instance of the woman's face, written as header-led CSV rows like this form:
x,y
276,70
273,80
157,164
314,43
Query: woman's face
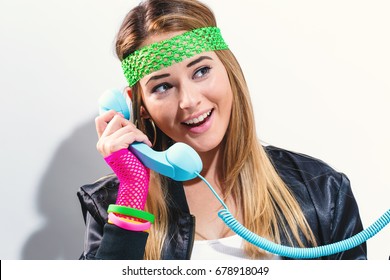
x,y
190,101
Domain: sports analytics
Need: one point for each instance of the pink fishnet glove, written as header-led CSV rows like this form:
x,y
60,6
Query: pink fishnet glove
x,y
133,178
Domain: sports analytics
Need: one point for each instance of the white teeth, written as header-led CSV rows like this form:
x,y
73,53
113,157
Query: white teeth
x,y
199,119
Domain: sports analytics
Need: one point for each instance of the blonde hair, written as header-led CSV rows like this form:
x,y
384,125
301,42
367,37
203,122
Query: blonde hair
x,y
267,206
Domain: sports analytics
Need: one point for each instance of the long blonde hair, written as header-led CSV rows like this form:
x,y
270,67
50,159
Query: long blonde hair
x,y
248,175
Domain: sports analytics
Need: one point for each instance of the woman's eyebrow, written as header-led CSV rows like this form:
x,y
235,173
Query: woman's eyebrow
x,y
199,59
157,77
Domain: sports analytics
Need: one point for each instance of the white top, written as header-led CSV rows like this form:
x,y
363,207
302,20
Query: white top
x,y
228,248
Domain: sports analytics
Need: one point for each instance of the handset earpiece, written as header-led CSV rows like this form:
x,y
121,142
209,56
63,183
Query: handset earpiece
x,y
115,100
179,162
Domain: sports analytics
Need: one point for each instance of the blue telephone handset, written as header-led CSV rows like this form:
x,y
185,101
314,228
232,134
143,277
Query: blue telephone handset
x,y
181,163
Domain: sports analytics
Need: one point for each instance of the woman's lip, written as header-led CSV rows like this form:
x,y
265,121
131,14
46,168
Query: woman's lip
x,y
203,127
197,116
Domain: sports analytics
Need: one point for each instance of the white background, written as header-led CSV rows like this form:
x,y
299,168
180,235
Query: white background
x,y
319,78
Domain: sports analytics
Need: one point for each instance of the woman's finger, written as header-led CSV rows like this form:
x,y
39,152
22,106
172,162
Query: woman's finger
x,y
120,139
101,121
109,124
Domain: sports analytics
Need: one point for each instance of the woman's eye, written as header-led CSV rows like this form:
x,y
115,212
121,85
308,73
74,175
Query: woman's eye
x,y
201,72
161,88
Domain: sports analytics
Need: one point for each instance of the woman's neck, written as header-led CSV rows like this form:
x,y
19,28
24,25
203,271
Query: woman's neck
x,y
211,161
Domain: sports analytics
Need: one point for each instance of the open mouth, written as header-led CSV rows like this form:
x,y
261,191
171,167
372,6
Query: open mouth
x,y
199,120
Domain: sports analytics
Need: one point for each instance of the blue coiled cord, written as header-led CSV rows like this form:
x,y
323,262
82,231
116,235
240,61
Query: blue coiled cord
x,y
298,253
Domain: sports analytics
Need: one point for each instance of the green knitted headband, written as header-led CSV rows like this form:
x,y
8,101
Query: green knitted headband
x,y
167,52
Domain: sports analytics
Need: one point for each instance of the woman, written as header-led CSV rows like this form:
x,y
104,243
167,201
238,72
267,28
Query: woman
x,y
186,86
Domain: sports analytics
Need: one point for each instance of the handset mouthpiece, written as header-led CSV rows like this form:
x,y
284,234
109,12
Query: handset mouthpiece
x,y
185,161
179,162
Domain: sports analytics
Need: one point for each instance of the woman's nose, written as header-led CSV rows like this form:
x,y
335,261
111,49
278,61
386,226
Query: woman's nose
x,y
189,97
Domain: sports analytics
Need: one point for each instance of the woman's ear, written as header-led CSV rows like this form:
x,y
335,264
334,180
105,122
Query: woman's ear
x,y
144,113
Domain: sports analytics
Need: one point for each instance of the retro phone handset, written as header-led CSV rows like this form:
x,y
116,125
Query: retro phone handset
x,y
181,163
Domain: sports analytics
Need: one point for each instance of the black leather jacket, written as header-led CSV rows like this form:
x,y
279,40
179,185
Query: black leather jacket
x,y
324,195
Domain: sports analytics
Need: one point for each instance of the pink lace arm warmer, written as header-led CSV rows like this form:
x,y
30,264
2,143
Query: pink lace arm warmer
x,y
133,178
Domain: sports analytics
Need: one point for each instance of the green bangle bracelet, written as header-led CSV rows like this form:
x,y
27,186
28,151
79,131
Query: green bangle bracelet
x,y
132,212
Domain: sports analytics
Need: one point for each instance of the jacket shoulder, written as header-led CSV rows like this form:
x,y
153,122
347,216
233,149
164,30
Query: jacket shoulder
x,y
96,197
309,178
300,166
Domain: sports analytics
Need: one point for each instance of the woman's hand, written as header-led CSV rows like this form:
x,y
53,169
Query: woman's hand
x,y
116,133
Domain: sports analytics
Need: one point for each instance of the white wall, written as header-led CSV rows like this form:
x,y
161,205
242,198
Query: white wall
x,y
319,77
